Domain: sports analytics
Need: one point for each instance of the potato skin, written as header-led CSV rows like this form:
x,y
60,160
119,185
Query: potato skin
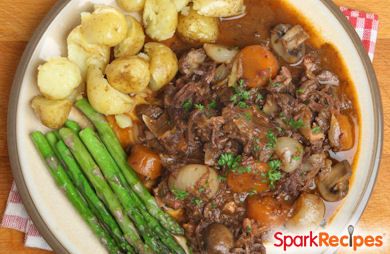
x,y
160,19
134,41
128,75
194,27
131,5
104,98
180,4
58,78
219,8
106,25
52,113
84,54
163,64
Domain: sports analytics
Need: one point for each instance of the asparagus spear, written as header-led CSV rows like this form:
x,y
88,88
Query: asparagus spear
x,y
131,202
116,180
73,125
62,180
93,173
114,147
89,194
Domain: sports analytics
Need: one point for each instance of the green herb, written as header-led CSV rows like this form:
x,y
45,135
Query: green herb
x,y
233,163
180,194
273,175
282,116
259,97
221,178
276,84
201,189
300,91
212,105
252,192
271,140
187,105
248,229
243,105
199,106
240,95
296,158
296,124
316,130
274,164
213,205
242,170
229,160
197,201
248,116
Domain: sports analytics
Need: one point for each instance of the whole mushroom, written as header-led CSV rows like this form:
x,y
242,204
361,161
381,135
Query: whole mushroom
x,y
288,42
219,239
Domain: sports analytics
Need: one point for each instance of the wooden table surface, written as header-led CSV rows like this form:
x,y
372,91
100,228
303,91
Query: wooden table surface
x,y
19,19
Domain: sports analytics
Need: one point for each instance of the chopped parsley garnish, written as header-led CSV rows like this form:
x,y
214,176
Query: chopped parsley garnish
x,y
197,201
180,194
229,160
240,95
242,105
201,189
316,130
213,205
199,106
252,192
259,97
256,144
296,124
300,91
221,178
248,116
248,229
271,140
233,163
276,84
187,105
296,158
273,175
212,105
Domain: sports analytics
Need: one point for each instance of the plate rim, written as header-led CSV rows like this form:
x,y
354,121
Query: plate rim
x,y
13,154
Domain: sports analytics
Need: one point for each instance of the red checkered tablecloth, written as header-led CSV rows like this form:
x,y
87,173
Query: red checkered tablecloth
x,y
15,216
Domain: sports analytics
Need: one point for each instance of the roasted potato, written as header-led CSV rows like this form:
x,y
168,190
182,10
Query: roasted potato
x,y
134,41
219,8
163,64
84,54
131,5
104,98
129,75
160,19
194,27
52,113
106,26
58,78
180,4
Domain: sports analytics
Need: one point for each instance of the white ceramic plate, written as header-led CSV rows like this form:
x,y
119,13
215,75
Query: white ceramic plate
x,y
52,213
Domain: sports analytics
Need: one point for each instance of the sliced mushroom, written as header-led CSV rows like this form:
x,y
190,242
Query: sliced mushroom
x,y
288,42
309,211
219,239
333,185
312,134
157,127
